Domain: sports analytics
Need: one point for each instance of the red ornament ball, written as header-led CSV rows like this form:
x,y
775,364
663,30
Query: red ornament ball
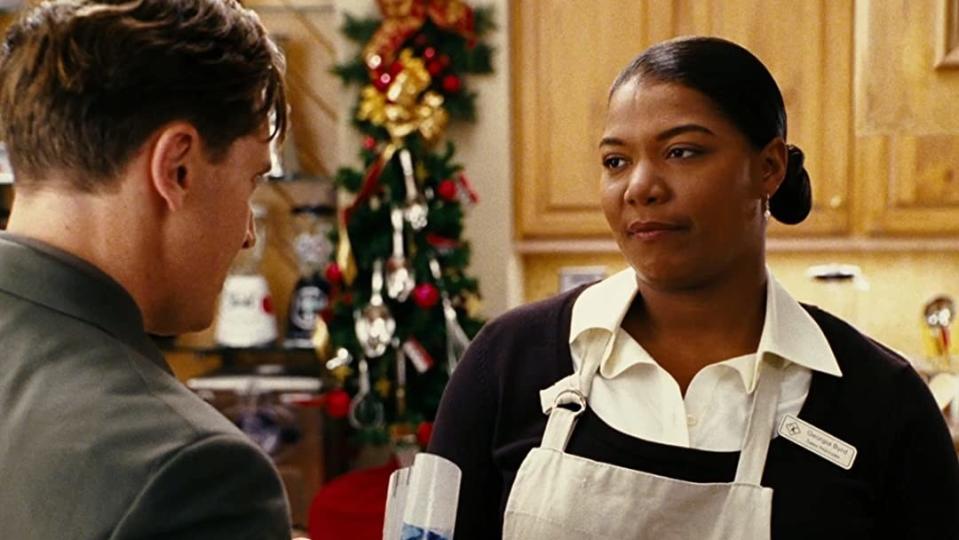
x,y
426,295
435,67
395,68
333,273
423,433
429,53
447,190
337,403
369,143
382,81
452,84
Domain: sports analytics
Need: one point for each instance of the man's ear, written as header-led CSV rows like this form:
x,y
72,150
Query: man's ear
x,y
773,165
174,163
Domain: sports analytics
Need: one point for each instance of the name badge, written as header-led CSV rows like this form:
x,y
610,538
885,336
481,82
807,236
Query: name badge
x,y
818,441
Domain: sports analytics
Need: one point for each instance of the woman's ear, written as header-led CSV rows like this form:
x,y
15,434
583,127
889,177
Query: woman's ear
x,y
174,162
773,160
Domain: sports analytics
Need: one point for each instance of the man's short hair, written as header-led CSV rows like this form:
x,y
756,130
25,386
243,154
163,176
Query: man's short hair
x,y
84,83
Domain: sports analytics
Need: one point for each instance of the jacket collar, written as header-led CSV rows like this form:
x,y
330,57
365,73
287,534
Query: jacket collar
x,y
58,280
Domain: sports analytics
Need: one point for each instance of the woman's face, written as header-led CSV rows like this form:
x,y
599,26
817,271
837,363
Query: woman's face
x,y
681,185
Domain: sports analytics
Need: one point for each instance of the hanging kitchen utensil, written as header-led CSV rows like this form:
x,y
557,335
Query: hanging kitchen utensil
x,y
365,410
342,358
416,209
400,281
400,379
939,314
456,339
375,325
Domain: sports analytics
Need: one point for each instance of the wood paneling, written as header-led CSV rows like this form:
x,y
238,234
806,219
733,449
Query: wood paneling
x,y
566,54
907,117
308,37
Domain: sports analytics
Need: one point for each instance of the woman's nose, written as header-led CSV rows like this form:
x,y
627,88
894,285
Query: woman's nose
x,y
646,186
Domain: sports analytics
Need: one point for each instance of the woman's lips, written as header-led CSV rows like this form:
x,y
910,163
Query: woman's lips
x,y
653,230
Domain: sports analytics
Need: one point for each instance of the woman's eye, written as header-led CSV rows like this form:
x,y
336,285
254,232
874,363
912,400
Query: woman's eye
x,y
613,163
681,153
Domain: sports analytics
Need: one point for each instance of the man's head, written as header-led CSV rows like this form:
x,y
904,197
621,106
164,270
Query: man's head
x,y
161,104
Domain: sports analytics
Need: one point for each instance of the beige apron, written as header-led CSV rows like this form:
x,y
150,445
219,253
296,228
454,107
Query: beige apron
x,y
559,496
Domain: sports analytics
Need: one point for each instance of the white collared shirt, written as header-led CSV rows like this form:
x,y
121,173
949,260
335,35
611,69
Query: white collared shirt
x,y
635,395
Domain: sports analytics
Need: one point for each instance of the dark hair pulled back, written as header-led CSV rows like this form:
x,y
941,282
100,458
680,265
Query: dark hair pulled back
x,y
744,91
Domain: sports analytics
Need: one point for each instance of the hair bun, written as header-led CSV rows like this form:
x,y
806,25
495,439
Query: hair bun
x,y
793,201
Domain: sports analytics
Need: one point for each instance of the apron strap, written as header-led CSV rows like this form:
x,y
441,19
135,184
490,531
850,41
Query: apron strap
x,y
559,427
762,417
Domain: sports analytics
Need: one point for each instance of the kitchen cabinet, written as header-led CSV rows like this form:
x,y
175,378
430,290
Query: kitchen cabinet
x,y
566,54
907,117
870,88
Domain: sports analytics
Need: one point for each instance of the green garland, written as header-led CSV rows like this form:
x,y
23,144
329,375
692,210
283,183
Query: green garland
x,y
370,230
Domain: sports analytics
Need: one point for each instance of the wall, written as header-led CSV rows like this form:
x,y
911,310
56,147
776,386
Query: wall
x,y
900,283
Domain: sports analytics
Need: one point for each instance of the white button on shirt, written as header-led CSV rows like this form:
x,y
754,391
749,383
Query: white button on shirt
x,y
637,396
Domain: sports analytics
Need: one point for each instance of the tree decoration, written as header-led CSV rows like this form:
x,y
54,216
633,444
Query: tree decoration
x,y
399,239
426,295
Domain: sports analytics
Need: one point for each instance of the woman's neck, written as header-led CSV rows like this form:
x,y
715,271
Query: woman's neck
x,y
686,329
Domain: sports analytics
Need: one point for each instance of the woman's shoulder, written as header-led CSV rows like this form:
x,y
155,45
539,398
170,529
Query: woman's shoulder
x,y
853,348
546,319
526,346
866,363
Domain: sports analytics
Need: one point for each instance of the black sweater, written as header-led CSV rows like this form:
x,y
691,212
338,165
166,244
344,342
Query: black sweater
x,y
903,485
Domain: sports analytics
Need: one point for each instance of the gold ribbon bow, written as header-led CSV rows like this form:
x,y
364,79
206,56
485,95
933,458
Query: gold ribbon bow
x,y
404,108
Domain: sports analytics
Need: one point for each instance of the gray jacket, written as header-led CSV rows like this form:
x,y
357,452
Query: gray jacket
x,y
98,440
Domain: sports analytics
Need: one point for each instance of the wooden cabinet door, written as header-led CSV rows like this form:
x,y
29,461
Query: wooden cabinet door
x,y
907,119
566,53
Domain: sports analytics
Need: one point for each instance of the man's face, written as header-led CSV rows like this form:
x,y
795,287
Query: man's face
x,y
216,223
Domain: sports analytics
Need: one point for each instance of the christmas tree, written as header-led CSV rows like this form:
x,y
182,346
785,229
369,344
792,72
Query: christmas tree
x,y
403,307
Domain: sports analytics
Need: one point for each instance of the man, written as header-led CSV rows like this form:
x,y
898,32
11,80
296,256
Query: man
x,y
137,130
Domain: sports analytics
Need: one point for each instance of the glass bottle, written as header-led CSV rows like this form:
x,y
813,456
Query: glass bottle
x,y
311,243
246,315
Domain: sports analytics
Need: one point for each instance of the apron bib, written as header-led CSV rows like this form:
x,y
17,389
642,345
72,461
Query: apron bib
x,y
559,496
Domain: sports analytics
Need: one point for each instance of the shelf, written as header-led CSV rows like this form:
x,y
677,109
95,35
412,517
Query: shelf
x,y
773,245
170,347
285,6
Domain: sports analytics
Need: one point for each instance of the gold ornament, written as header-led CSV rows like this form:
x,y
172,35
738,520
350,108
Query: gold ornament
x,y
344,253
321,339
340,374
372,106
383,387
410,82
405,108
473,304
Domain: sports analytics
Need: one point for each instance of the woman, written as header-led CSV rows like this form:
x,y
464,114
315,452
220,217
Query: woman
x,y
690,396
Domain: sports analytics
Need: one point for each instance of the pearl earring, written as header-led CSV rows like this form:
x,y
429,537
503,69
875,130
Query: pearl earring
x,y
765,205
